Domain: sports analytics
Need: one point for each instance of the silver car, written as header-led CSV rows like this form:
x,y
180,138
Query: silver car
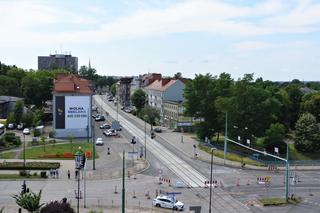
x,y
168,202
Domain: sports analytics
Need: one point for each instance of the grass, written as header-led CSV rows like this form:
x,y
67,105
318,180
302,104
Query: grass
x,y
230,156
7,155
296,155
51,149
278,201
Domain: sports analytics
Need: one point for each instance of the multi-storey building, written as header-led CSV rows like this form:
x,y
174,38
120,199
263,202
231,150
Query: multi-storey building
x,y
58,61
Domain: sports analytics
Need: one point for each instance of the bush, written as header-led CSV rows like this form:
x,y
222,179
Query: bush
x,y
43,174
10,137
24,173
57,207
35,174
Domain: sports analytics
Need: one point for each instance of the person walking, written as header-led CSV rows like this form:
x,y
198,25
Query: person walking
x,y
68,174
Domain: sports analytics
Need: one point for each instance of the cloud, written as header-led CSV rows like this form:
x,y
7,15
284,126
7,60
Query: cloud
x,y
216,17
247,46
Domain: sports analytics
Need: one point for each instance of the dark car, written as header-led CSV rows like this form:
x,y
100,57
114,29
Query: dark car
x,y
100,118
157,129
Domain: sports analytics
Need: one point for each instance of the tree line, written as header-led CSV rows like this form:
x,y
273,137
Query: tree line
x,y
256,109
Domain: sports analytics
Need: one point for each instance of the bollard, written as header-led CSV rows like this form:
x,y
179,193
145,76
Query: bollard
x,y
115,190
156,192
134,177
134,195
128,174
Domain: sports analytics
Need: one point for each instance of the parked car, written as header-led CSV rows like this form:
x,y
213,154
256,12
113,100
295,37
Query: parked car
x,y
99,142
26,131
11,126
128,109
105,126
169,202
110,132
158,129
100,118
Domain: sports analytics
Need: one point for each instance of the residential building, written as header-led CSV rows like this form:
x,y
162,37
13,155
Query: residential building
x,y
173,112
72,104
7,104
164,90
149,78
58,61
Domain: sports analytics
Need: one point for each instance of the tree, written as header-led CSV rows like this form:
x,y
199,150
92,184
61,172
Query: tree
x,y
139,99
27,119
10,118
37,119
57,207
178,75
275,136
295,96
311,104
307,134
70,139
29,201
18,111
9,86
88,73
43,141
150,114
113,89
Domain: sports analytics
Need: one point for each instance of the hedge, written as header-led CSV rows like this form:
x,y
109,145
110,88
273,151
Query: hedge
x,y
29,165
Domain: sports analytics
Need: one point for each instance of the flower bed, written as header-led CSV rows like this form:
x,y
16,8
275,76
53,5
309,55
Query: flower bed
x,y
29,165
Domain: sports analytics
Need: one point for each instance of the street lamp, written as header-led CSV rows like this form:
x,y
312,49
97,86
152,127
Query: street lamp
x,y
79,164
211,179
24,151
145,137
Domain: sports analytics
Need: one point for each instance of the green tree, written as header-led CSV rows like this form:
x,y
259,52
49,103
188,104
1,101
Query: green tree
x,y
43,141
311,104
150,114
88,73
70,139
9,86
295,96
307,134
18,111
178,75
29,201
110,81
27,119
10,118
37,119
275,136
113,89
139,99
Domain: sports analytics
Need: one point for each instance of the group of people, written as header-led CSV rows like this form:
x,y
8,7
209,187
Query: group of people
x,y
54,173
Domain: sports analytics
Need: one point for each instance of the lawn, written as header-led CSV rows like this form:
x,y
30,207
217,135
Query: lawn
x,y
275,201
7,155
56,149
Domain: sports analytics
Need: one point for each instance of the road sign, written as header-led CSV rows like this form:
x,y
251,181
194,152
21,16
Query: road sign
x,y
132,155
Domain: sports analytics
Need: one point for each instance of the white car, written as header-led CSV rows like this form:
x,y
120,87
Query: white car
x,y
110,132
26,131
99,142
168,202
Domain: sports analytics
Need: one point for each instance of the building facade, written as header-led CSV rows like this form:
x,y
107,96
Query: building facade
x,y
7,104
164,90
58,61
72,104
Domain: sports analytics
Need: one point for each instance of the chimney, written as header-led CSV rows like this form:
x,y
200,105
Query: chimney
x,y
165,81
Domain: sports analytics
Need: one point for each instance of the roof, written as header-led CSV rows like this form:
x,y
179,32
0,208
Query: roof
x,y
70,83
4,99
161,85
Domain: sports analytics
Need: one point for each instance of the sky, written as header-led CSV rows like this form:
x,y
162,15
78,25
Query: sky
x,y
277,40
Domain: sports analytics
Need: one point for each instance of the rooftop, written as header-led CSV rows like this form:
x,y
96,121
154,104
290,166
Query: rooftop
x,y
70,83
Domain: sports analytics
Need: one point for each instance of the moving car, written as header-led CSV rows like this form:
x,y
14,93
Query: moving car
x,y
158,129
11,126
110,132
168,202
105,126
26,131
99,142
20,126
100,118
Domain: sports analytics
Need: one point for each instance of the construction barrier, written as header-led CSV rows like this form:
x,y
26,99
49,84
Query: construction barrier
x,y
214,183
263,180
164,180
273,168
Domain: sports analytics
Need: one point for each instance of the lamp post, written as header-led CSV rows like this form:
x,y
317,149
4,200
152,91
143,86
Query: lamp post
x,y
225,140
211,180
79,162
123,185
24,151
145,138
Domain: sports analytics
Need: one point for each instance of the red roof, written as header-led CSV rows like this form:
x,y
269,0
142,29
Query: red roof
x,y
161,85
70,83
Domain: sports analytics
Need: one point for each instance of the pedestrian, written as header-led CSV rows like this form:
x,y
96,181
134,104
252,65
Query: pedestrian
x,y
57,173
69,174
76,174
51,173
54,173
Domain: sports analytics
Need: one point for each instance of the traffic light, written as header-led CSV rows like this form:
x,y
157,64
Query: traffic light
x,y
24,188
153,135
133,141
82,161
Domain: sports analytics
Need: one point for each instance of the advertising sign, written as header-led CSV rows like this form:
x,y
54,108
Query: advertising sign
x,y
76,111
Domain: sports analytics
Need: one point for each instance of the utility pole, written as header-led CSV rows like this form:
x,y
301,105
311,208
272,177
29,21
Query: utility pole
x,y
145,139
123,186
211,181
24,151
287,173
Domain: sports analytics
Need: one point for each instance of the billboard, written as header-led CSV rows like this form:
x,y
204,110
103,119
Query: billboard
x,y
76,112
